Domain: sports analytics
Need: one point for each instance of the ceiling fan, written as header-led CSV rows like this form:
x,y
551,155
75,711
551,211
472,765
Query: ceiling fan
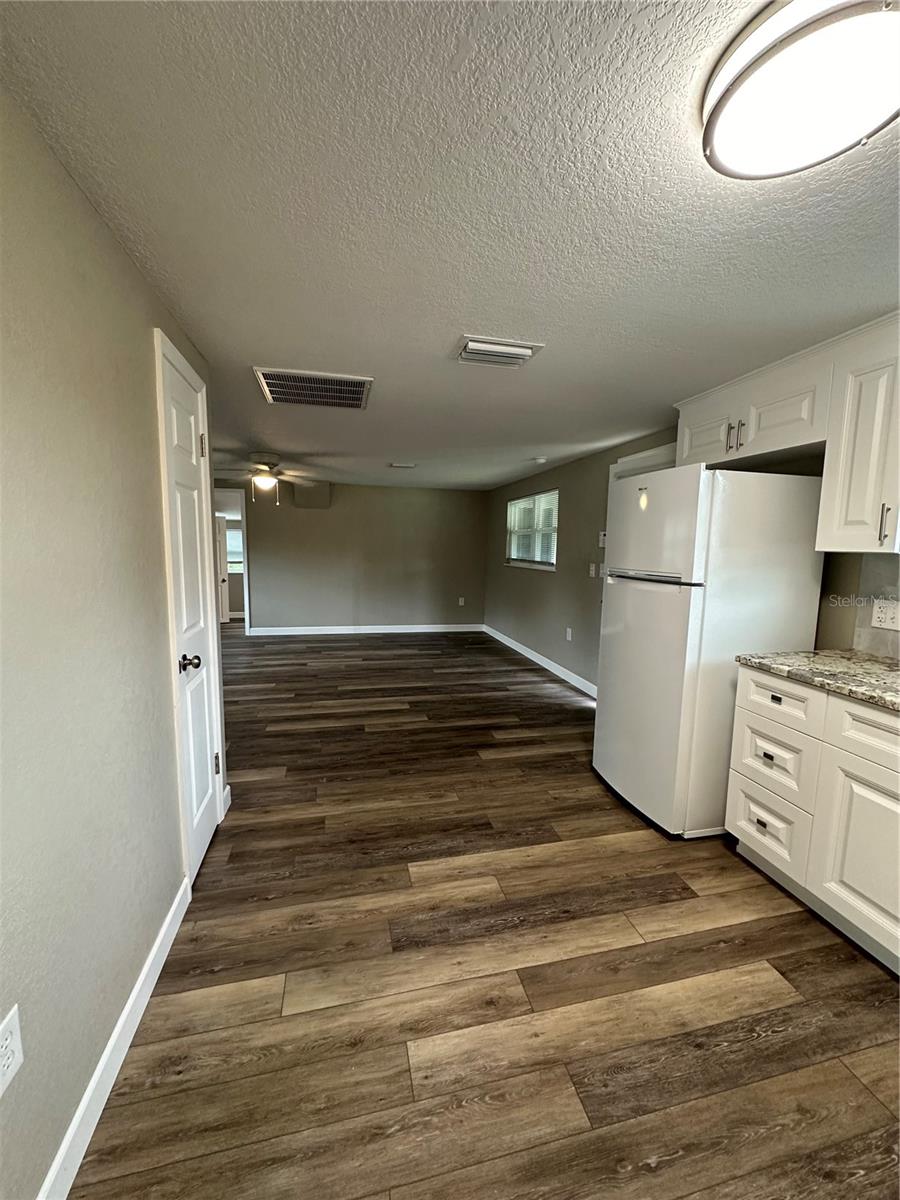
x,y
264,470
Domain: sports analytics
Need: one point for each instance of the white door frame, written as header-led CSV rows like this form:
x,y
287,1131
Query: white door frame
x,y
242,499
164,349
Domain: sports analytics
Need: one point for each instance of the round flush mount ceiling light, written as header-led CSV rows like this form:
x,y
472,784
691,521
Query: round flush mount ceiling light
x,y
807,80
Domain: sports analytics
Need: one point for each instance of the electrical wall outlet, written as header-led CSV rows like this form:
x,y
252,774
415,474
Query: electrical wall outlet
x,y
568,634
601,540
462,601
884,614
11,1052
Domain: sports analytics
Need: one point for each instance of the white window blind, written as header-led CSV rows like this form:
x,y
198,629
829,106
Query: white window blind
x,y
531,528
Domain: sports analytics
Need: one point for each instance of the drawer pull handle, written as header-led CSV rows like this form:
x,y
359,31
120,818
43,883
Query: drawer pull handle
x,y
770,758
761,823
776,699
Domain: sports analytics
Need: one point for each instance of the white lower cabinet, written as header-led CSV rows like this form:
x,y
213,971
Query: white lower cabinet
x,y
825,816
775,828
854,852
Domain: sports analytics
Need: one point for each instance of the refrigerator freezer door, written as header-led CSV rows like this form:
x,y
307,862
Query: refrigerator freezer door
x,y
657,523
648,644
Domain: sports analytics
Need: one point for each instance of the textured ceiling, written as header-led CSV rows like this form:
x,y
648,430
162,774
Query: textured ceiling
x,y
350,187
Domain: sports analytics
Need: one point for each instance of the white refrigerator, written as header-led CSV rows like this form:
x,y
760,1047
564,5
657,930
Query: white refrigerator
x,y
700,566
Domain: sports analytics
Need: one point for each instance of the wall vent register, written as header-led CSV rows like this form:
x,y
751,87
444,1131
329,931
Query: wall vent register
x,y
313,388
493,352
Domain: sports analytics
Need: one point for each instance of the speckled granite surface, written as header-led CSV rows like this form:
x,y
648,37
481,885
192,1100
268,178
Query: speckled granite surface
x,y
847,672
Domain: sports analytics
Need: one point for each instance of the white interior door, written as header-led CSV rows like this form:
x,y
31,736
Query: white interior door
x,y
222,568
194,636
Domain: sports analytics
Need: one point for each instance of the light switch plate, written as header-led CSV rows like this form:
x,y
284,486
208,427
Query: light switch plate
x,y
884,614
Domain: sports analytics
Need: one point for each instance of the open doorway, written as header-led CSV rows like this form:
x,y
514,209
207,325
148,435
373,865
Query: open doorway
x,y
231,527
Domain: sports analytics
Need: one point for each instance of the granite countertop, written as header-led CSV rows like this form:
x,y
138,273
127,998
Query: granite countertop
x,y
847,672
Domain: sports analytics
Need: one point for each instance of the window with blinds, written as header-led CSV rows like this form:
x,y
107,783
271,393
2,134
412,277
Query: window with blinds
x,y
531,528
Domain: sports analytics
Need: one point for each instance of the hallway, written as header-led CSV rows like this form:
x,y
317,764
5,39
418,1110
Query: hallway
x,y
430,957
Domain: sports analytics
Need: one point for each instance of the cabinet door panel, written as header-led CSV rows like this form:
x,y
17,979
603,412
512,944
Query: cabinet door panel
x,y
781,759
854,854
860,479
705,431
786,407
775,828
783,700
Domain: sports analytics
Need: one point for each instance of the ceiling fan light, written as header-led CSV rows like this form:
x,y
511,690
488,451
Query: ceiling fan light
x,y
807,82
264,481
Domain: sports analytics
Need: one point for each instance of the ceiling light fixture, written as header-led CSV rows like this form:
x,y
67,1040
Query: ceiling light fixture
x,y
541,459
264,481
806,80
494,353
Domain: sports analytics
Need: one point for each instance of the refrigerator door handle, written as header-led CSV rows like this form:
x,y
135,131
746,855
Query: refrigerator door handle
x,y
650,577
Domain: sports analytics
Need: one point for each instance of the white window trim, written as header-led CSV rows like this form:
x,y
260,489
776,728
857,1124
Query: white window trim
x,y
536,565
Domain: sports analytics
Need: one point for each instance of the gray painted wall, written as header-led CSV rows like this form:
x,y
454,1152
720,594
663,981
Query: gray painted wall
x,y
376,556
534,607
91,853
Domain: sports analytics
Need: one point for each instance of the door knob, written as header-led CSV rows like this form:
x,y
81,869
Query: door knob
x,y
185,662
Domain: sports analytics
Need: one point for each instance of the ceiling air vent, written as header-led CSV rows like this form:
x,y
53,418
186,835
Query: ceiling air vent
x,y
494,353
313,388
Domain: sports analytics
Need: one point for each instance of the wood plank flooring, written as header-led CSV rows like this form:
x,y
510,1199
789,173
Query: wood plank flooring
x,y
430,957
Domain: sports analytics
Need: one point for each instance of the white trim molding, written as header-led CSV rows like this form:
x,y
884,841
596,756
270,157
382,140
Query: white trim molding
x,y
75,1142
316,630
583,685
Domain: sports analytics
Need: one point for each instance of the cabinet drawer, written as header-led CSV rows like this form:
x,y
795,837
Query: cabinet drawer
x,y
864,729
775,828
854,855
792,704
782,760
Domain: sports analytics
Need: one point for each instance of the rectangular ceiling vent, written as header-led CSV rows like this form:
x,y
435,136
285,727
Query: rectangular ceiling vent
x,y
313,388
494,353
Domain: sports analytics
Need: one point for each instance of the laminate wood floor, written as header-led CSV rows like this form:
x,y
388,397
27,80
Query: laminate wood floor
x,y
430,957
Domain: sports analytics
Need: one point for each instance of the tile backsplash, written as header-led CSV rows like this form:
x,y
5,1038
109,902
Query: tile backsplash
x,y
879,576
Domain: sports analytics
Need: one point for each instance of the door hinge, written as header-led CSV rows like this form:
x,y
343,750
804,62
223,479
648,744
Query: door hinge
x,y
203,445
217,764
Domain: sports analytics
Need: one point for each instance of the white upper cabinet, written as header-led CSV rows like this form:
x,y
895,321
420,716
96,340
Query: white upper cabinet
x,y
842,394
781,407
860,483
706,430
785,407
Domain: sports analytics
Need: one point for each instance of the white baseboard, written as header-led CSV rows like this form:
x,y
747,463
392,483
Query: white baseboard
x,y
314,630
583,685
72,1149
226,798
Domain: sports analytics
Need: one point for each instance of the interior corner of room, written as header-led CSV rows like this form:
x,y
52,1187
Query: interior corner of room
x,y
473,474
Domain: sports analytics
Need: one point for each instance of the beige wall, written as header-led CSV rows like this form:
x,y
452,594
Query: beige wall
x,y
376,556
535,607
91,858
